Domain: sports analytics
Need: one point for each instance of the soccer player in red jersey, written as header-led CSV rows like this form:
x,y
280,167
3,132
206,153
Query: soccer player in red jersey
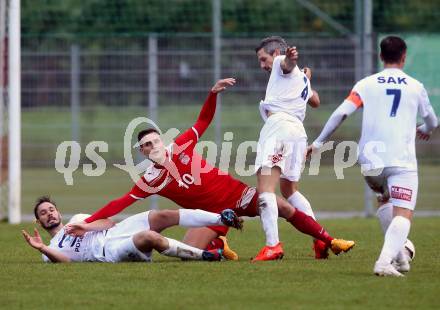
x,y
183,176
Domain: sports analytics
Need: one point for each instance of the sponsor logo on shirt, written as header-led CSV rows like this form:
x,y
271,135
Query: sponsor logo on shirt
x,y
275,158
401,193
73,242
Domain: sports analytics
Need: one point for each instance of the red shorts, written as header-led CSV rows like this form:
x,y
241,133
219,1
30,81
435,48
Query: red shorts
x,y
246,206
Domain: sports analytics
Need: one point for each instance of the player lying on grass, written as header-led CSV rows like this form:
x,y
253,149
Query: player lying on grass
x,y
128,241
177,174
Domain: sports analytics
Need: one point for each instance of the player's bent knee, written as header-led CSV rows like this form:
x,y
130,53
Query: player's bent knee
x,y
159,220
148,237
288,188
399,211
146,241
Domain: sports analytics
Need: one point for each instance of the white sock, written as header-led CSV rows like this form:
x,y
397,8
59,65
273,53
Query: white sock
x,y
301,203
182,250
267,203
395,238
385,215
198,218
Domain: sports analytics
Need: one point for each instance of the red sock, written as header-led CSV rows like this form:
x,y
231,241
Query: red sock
x,y
309,226
215,244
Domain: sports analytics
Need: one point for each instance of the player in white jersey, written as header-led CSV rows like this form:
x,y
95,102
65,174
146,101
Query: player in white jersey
x,y
128,241
390,100
283,141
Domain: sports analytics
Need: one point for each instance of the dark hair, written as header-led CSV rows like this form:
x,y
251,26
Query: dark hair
x,y
41,200
145,132
270,44
392,49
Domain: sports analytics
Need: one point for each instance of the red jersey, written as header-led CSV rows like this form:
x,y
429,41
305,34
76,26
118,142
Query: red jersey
x,y
196,185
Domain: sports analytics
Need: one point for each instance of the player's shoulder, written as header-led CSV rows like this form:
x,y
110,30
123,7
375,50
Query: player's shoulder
x,y
413,81
276,65
370,79
360,85
79,217
279,58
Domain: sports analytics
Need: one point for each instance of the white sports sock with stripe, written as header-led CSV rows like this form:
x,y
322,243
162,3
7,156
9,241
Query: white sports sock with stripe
x,y
395,238
267,204
182,250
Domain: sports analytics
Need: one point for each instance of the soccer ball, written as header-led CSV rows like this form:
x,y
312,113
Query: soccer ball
x,y
409,250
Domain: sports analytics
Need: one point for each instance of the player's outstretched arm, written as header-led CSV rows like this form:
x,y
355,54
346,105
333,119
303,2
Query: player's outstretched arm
x,y
221,85
289,62
138,192
37,243
206,114
80,228
333,123
112,208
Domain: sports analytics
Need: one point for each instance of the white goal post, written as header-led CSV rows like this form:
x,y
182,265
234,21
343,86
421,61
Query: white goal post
x,y
14,74
10,111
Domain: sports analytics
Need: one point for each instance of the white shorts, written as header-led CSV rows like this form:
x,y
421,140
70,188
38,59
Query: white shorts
x,y
282,143
118,242
397,185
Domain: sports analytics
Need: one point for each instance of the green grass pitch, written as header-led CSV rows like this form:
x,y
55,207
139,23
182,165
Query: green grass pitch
x,y
296,282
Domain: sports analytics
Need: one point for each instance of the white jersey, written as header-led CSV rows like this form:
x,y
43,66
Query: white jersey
x,y
87,248
287,93
390,101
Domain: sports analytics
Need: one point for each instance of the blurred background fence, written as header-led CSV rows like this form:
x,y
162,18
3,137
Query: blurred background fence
x,y
90,67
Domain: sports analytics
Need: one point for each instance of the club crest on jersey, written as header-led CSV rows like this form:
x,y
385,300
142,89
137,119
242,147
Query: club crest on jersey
x,y
401,193
275,158
184,159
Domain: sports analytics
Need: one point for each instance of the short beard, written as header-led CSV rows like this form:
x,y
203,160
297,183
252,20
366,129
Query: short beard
x,y
52,226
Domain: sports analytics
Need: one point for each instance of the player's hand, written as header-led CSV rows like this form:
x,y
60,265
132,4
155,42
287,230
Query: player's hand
x,y
308,72
312,149
422,134
309,151
221,85
76,229
292,55
36,242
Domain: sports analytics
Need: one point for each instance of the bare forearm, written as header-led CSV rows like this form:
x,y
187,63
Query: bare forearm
x,y
99,225
54,255
314,101
287,65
